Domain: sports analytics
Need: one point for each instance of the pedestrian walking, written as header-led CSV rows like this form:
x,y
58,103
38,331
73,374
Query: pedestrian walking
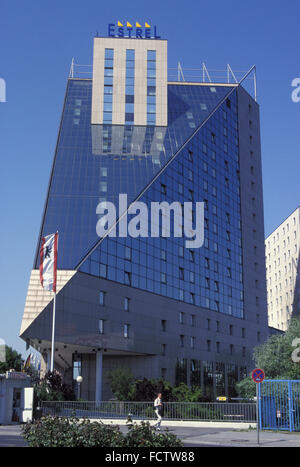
x,y
158,407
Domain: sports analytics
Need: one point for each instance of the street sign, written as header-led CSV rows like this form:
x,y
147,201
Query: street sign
x,y
222,399
258,375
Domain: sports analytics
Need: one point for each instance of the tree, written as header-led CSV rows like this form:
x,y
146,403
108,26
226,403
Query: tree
x,y
51,388
13,360
120,380
246,388
277,358
184,393
146,390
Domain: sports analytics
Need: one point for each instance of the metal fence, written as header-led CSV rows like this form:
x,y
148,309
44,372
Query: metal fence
x,y
221,411
279,405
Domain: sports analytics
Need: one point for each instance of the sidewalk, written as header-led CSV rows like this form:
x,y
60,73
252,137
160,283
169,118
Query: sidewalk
x,y
193,436
198,434
234,438
10,436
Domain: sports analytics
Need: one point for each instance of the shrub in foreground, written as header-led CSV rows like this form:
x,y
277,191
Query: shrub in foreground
x,y
143,435
72,432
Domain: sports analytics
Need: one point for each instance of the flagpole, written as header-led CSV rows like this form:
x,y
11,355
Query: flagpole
x,y
48,277
53,332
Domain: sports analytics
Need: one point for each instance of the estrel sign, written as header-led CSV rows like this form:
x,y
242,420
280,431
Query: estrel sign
x,y
129,30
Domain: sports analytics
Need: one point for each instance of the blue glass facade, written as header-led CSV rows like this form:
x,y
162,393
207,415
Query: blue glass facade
x,y
88,169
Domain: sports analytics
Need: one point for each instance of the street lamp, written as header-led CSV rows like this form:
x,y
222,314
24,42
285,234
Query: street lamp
x,y
79,381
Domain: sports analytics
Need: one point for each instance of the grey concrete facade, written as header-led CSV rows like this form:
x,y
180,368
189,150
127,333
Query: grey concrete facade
x,y
252,217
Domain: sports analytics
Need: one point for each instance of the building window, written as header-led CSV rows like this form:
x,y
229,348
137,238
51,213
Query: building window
x,y
181,340
101,326
126,331
163,189
128,253
101,298
163,325
108,85
192,342
151,87
181,317
103,270
190,155
126,303
129,87
127,278
77,365
192,256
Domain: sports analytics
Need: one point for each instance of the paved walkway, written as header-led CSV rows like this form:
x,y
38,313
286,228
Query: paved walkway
x,y
10,436
192,436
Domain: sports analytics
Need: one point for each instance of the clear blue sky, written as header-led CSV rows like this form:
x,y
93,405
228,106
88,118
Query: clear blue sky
x,y
37,43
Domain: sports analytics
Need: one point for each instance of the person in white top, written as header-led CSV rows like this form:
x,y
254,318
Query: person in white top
x,y
158,407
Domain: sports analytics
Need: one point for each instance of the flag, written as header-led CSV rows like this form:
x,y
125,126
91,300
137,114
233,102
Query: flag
x,y
48,262
27,362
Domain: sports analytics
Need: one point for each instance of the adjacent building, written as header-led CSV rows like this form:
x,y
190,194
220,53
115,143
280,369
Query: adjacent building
x,y
282,272
150,303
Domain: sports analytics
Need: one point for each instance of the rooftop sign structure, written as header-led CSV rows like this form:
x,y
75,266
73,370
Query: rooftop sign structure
x,y
132,31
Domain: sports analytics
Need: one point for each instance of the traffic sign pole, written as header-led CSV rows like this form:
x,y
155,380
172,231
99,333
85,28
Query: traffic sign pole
x,y
258,376
257,414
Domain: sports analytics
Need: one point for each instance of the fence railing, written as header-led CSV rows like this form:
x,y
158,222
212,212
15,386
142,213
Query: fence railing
x,y
208,411
279,402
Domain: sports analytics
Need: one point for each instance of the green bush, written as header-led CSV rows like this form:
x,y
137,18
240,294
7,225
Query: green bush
x,y
71,432
143,435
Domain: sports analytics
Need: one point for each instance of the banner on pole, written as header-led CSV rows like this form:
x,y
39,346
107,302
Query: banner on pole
x,y
48,262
